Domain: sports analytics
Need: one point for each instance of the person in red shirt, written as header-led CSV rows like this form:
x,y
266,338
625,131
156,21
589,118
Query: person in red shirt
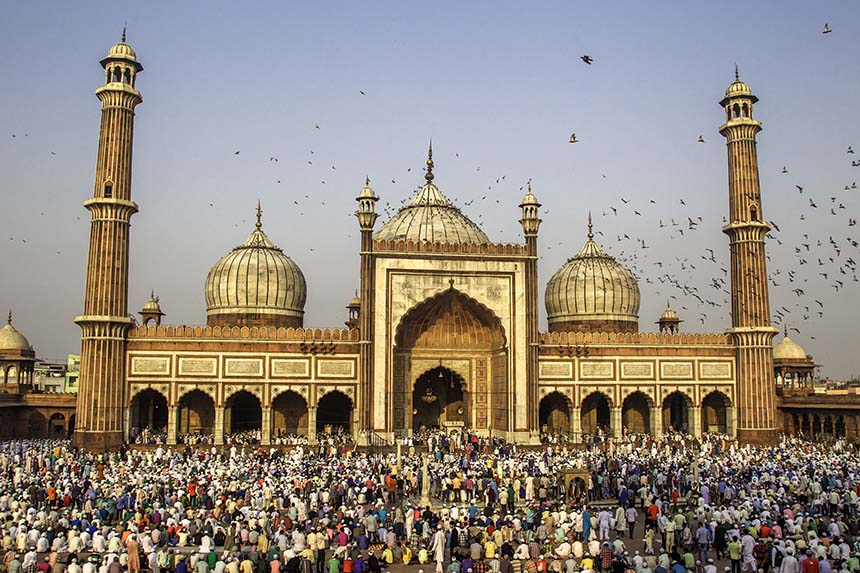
x,y
810,564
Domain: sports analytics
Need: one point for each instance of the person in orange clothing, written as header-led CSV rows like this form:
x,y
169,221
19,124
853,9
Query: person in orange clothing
x,y
192,493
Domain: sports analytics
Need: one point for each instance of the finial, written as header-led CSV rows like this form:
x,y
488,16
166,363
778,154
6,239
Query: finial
x,y
429,175
451,283
590,234
9,320
123,33
529,185
259,215
785,330
367,180
152,294
667,304
737,75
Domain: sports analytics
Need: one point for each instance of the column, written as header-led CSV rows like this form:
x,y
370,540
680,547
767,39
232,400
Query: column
x,y
576,424
219,426
731,423
696,421
172,424
615,422
312,425
266,426
655,421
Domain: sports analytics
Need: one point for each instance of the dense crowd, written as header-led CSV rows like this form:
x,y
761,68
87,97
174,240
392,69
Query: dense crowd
x,y
473,505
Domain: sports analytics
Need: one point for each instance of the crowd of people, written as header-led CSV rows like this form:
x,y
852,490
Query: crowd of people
x,y
471,505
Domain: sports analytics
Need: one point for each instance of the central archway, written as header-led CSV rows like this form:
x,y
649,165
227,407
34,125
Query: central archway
x,y
453,328
196,414
148,412
438,400
595,414
636,413
676,412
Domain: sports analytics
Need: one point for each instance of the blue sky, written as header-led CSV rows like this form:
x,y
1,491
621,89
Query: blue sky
x,y
499,86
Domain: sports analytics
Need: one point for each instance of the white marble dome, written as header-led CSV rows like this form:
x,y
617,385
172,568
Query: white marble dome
x,y
256,284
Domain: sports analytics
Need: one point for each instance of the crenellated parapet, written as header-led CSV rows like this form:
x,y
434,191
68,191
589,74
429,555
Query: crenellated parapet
x,y
428,247
246,333
549,339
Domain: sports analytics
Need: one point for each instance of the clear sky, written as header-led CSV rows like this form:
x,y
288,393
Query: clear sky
x,y
499,86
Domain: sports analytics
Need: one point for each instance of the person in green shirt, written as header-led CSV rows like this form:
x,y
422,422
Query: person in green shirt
x,y
334,565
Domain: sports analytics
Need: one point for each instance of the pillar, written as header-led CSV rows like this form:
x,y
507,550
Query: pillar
x,y
731,423
266,426
696,421
655,421
615,421
172,424
219,426
576,424
312,425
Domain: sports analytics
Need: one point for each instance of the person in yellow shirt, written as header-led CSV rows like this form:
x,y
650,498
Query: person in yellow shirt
x,y
407,554
489,548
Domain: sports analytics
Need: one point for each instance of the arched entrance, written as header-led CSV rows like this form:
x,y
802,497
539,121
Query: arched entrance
x,y
636,413
438,400
334,413
676,412
37,426
196,414
243,416
595,414
715,413
554,413
289,415
450,329
148,412
71,427
57,426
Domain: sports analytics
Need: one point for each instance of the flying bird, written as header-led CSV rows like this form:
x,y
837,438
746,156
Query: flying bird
x,y
701,139
573,138
827,29
587,59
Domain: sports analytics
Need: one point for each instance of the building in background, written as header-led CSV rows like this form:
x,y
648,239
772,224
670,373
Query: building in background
x,y
73,372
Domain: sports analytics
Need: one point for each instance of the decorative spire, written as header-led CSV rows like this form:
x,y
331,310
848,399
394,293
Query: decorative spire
x,y
667,304
259,224
529,184
367,180
123,33
590,234
785,330
737,75
429,175
9,320
152,294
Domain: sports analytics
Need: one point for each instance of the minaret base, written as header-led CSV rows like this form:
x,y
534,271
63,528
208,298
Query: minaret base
x,y
755,437
98,441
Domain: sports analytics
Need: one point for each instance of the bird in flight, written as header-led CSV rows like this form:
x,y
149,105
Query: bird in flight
x,y
361,92
827,29
850,149
237,153
573,138
784,169
701,139
587,59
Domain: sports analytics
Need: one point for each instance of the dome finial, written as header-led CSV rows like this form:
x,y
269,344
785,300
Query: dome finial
x,y
785,330
259,224
737,75
429,175
367,180
123,33
590,233
9,320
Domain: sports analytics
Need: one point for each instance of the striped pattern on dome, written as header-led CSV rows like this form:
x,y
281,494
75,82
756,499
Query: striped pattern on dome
x,y
592,286
256,277
431,217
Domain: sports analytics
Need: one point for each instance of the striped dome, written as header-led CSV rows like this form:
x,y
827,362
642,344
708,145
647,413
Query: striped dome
x,y
256,284
592,291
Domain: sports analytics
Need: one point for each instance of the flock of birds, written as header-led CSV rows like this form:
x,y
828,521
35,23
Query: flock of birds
x,y
820,256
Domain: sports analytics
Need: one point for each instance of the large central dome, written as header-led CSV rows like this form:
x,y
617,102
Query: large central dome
x,y
592,292
256,284
430,216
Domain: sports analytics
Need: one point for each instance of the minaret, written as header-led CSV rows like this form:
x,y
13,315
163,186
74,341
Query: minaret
x,y
366,215
751,326
530,209
102,394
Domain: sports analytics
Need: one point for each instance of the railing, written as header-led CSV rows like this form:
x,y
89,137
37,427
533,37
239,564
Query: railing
x,y
376,440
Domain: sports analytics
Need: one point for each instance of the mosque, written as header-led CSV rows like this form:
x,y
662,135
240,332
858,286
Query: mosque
x,y
443,332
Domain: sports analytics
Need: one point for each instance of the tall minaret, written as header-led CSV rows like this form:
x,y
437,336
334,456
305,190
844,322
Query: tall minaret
x,y
366,215
530,220
751,326
102,394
